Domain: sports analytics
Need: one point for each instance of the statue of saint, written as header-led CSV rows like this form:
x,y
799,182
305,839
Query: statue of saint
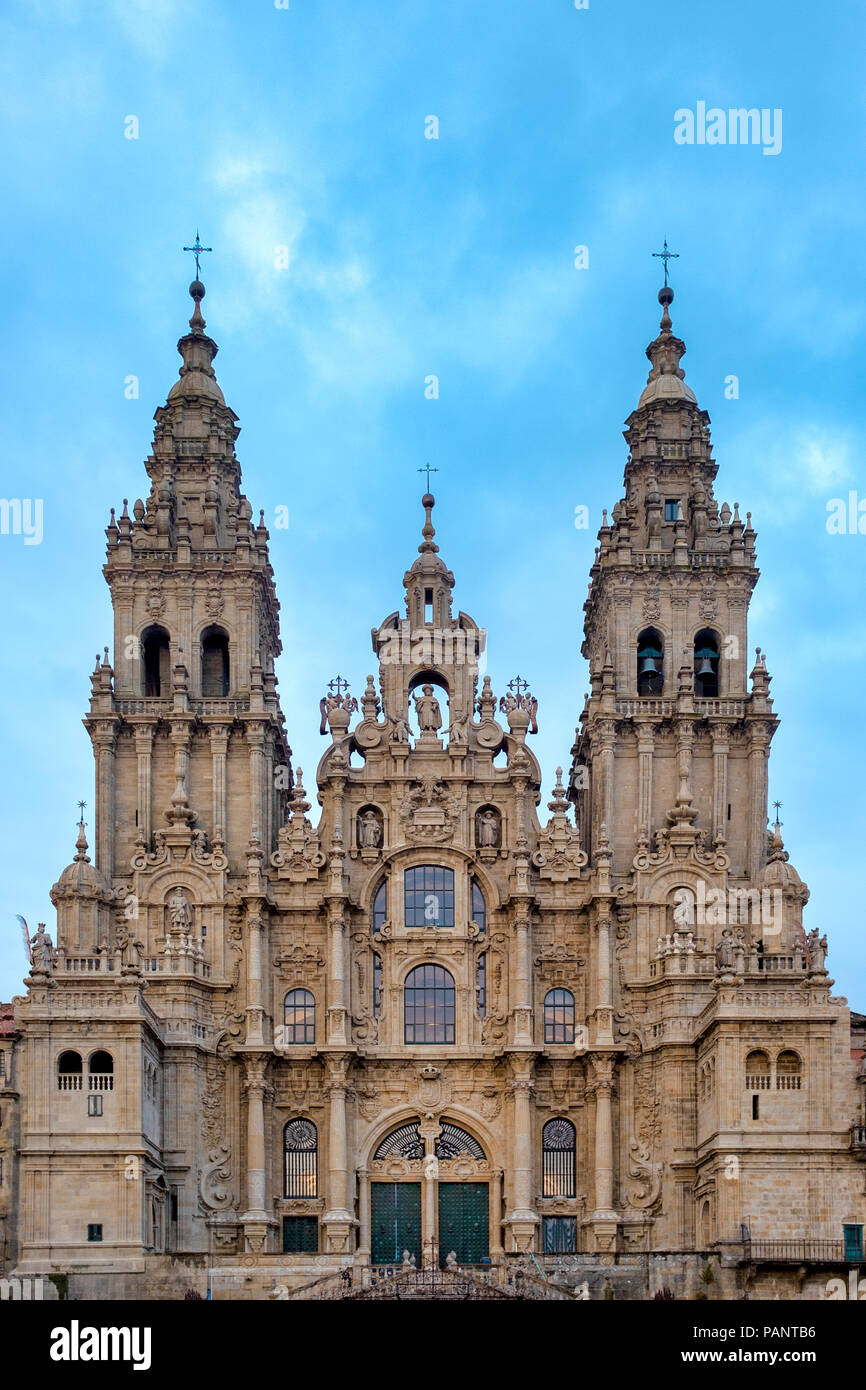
x,y
725,953
180,912
487,829
369,830
428,711
41,950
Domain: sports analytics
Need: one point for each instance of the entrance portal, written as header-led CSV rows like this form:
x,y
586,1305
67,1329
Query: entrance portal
x,y
464,1225
395,1220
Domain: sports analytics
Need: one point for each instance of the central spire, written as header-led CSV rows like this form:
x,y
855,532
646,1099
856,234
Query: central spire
x,y
428,502
429,581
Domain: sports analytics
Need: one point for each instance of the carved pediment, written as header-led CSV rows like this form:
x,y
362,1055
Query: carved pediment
x,y
429,812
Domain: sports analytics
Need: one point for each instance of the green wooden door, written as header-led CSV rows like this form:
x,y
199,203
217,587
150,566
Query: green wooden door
x,y
395,1219
464,1221
853,1236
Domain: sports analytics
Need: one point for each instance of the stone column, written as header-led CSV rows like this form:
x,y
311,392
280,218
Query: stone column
x,y
429,1235
646,751
720,782
604,1217
144,752
337,1220
522,1219
757,844
604,1009
219,742
522,979
256,1221
337,1014
364,1219
105,747
255,1006
496,1249
605,760
255,732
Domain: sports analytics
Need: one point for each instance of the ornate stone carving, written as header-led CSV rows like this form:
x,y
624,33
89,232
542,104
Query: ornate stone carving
x,y
299,856
429,811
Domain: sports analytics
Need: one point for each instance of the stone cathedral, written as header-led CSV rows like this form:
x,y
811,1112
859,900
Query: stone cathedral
x,y
566,1031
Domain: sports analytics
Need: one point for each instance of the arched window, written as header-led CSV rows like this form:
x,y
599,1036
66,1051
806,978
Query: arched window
x,y
69,1071
377,984
559,1159
479,908
454,1142
214,663
429,1005
301,1150
706,663
156,662
403,1142
380,906
650,662
100,1072
789,1070
428,895
559,1016
300,1017
481,984
706,1225
757,1072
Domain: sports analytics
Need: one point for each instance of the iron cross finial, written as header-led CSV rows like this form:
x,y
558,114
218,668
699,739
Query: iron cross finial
x,y
338,685
778,806
197,250
519,686
428,470
81,806
666,256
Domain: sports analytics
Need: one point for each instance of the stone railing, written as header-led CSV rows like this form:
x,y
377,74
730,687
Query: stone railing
x,y
658,708
795,1251
157,705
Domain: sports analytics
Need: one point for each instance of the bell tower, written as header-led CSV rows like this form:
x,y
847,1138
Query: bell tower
x,y
196,631
672,737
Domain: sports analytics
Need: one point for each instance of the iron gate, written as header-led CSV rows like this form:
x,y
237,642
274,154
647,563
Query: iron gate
x,y
395,1218
464,1214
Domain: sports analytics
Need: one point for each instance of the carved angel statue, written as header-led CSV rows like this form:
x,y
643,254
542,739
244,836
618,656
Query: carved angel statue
x,y
527,702
428,711
400,732
329,703
457,729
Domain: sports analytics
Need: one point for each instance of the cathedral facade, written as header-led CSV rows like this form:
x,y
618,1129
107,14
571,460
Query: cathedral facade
x,y
432,1026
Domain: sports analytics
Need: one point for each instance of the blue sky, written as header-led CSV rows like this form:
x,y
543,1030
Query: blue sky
x,y
407,257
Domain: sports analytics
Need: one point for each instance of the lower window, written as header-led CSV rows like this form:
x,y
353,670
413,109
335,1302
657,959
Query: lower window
x,y
300,1235
559,1235
94,1230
